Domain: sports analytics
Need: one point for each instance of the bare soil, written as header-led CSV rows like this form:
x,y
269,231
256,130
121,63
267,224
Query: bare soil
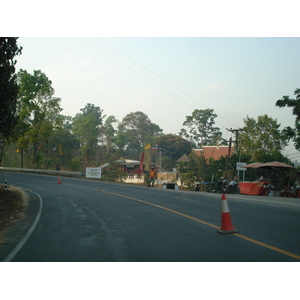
x,y
12,204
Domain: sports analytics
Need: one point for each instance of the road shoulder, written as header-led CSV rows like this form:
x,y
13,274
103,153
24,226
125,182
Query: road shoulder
x,y
10,236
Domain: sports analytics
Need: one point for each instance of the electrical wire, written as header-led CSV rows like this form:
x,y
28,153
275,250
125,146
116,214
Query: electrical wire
x,y
97,47
147,69
162,79
137,72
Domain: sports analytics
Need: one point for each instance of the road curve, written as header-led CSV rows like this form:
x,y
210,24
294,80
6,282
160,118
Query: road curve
x,y
86,220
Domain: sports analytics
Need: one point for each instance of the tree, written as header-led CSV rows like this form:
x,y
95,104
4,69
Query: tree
x,y
135,131
86,126
91,109
38,112
172,147
8,88
64,143
292,133
261,137
201,128
120,141
108,133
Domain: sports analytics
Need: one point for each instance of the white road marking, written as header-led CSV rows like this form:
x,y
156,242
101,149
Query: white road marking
x,y
29,232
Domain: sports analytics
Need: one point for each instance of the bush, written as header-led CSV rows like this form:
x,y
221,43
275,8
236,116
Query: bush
x,y
114,175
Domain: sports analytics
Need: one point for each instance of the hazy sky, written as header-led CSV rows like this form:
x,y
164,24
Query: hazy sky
x,y
167,78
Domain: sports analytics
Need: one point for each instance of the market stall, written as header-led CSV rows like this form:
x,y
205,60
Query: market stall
x,y
262,187
255,188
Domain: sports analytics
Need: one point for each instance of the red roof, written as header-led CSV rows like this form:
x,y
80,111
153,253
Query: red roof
x,y
213,151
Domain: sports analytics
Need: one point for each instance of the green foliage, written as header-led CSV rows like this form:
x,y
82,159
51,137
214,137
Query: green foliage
x,y
113,172
8,88
188,180
262,137
201,128
108,134
10,157
203,168
8,85
167,163
197,167
172,147
86,126
135,131
279,177
120,142
38,112
292,133
91,109
66,145
75,164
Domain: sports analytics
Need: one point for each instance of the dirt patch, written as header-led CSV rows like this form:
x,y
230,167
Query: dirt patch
x,y
12,205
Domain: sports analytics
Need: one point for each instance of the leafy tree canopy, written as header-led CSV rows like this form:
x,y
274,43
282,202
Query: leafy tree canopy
x,y
86,125
201,128
35,99
262,136
91,109
108,133
66,144
172,147
134,132
292,133
38,111
8,85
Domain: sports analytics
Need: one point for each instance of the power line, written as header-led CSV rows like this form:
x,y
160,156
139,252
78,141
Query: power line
x,y
162,78
137,72
292,156
236,132
151,80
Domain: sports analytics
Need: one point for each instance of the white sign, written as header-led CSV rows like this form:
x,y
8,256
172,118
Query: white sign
x,y
239,166
93,172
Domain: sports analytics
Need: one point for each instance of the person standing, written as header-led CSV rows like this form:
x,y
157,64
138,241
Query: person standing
x,y
220,185
152,177
232,187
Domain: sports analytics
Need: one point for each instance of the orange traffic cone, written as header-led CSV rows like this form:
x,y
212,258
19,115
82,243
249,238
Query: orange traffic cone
x,y
59,181
227,226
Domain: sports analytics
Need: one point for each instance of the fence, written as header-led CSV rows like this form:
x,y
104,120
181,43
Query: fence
x,y
42,171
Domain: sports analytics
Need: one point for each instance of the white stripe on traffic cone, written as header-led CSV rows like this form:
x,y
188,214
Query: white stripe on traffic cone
x,y
226,226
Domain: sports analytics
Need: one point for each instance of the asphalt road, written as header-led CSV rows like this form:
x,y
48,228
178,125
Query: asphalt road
x,y
94,221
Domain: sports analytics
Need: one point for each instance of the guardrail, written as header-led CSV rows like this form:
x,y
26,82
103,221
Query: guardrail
x,y
42,171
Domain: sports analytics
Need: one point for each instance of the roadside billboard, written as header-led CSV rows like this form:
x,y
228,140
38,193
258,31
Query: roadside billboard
x,y
93,173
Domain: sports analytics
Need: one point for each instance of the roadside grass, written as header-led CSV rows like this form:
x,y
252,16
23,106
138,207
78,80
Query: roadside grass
x,y
12,204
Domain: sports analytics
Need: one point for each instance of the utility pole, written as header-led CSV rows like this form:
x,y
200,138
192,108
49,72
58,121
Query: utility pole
x,y
160,168
236,132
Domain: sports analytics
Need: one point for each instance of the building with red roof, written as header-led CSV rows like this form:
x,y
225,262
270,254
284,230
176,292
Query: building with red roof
x,y
215,152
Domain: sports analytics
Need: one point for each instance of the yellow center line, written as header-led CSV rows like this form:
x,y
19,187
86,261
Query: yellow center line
x,y
165,208
197,220
205,223
268,246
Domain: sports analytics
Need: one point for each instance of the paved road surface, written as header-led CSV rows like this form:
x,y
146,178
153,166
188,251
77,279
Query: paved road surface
x,y
84,220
